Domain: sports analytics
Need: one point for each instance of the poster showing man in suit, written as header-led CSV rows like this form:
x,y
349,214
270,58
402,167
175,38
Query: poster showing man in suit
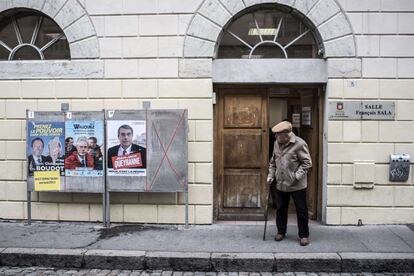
x,y
44,147
126,148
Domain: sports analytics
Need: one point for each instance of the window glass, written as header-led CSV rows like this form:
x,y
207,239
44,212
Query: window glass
x,y
7,33
26,53
4,54
26,33
267,33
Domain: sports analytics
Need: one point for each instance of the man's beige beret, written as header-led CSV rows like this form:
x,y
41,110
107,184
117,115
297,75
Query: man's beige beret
x,y
282,127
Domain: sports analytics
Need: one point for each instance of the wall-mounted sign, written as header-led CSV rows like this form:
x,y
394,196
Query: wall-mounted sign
x,y
362,110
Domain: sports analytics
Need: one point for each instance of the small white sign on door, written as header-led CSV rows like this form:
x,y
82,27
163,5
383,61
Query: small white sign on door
x,y
296,119
306,116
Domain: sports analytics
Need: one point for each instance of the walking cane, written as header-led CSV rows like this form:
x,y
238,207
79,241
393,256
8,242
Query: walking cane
x,y
266,212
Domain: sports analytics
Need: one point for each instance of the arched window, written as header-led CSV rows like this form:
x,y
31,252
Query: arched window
x,y
30,35
267,32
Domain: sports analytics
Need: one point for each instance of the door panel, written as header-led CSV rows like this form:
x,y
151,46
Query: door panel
x,y
240,188
242,111
241,152
243,149
310,133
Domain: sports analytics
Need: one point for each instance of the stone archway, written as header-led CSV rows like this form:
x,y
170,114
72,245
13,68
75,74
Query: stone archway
x,y
71,17
80,32
212,15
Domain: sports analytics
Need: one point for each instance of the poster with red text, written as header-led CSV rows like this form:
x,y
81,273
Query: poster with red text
x,y
126,154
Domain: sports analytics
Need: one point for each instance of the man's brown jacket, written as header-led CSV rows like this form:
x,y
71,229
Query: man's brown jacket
x,y
289,165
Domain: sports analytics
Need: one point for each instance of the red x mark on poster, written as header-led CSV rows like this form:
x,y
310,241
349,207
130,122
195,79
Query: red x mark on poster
x,y
165,156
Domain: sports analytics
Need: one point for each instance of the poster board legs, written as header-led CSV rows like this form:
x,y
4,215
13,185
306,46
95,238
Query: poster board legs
x,y
103,209
29,208
186,210
107,211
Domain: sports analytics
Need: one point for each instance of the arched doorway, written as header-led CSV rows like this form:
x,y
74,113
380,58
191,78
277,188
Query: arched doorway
x,y
247,108
329,25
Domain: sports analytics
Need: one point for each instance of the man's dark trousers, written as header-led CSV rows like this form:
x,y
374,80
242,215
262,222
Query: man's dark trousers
x,y
282,202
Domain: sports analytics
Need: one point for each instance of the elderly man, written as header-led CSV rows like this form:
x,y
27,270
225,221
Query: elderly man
x,y
80,159
288,167
55,151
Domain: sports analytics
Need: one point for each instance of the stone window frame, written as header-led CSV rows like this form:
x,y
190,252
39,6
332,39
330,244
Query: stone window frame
x,y
80,32
212,16
35,34
253,11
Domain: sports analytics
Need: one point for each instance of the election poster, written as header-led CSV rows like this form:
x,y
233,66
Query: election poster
x,y
126,142
84,148
44,147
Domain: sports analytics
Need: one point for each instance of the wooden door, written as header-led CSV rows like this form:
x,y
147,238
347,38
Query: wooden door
x,y
309,131
241,153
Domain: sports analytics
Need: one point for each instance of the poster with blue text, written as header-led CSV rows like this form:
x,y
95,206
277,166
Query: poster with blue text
x,y
44,147
84,148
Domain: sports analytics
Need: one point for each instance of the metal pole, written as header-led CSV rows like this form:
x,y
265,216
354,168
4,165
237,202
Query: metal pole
x,y
29,208
108,213
106,200
29,196
104,209
186,209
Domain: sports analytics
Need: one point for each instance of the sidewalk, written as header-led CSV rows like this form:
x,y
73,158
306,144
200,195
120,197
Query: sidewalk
x,y
219,247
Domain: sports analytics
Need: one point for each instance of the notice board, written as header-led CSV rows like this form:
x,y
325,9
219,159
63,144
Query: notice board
x,y
147,150
64,151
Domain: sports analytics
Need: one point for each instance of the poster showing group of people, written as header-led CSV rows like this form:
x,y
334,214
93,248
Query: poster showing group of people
x,y
77,148
84,148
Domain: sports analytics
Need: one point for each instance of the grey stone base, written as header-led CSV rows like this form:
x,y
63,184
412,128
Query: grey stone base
x,y
188,261
308,262
114,259
377,262
42,257
181,261
242,262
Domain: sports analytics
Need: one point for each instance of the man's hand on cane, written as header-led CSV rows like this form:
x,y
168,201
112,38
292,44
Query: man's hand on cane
x,y
269,181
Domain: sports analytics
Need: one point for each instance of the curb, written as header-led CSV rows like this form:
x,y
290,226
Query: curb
x,y
203,261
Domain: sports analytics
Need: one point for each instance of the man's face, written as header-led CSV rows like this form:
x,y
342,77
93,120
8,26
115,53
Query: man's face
x,y
282,138
125,137
82,147
37,148
92,143
55,151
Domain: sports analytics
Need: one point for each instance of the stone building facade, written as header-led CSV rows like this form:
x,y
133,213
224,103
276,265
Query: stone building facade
x,y
125,52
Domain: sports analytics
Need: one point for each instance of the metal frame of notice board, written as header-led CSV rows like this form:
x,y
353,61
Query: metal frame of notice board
x,y
160,141
46,126
162,136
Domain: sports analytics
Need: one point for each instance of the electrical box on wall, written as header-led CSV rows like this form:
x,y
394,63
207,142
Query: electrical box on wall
x,y
399,167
